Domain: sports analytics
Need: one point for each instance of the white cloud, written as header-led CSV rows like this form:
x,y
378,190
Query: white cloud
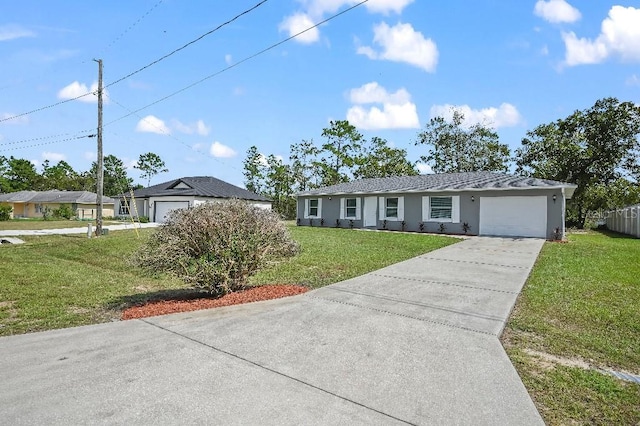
x,y
634,80
228,59
219,150
299,22
89,155
397,112
401,43
556,11
319,8
152,124
198,127
53,157
12,32
424,169
9,117
76,89
619,36
506,115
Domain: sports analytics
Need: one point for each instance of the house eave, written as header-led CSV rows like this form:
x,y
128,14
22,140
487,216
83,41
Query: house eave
x,y
569,190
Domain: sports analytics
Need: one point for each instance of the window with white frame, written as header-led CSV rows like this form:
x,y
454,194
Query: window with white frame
x,y
39,208
391,207
312,207
124,207
350,208
441,209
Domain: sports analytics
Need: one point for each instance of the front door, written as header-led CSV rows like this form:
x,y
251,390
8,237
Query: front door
x,y
370,211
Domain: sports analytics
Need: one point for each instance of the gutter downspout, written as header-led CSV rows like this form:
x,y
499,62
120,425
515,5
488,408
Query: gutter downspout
x,y
564,209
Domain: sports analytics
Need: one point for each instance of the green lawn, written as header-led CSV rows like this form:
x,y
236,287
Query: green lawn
x,y
68,280
36,224
581,306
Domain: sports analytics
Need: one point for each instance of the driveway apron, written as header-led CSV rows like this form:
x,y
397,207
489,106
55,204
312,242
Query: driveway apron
x,y
413,343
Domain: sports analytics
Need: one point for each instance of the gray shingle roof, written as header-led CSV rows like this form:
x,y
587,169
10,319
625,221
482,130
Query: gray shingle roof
x,y
199,186
53,196
439,182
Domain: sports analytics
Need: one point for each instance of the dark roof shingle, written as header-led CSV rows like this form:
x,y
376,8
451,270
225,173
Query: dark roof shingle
x,y
199,186
438,182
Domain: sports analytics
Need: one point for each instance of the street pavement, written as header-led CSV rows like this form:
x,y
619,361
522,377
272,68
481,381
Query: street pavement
x,y
413,343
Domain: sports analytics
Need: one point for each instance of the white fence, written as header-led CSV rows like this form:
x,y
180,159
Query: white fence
x,y
625,221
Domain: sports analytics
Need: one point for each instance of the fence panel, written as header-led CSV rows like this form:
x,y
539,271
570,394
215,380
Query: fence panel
x,y
625,221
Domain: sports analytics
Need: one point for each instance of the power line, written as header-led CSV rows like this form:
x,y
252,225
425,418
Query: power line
x,y
131,26
246,59
47,143
189,43
43,138
143,68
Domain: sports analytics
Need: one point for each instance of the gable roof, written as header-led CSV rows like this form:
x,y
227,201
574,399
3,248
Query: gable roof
x,y
469,181
54,196
199,186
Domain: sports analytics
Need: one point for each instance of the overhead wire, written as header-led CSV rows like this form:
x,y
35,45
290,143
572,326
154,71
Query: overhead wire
x,y
144,67
246,59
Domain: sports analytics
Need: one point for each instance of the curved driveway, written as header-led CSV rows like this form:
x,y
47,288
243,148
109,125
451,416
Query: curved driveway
x,y
413,343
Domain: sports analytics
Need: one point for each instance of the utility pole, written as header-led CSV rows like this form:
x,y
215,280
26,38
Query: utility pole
x,y
100,171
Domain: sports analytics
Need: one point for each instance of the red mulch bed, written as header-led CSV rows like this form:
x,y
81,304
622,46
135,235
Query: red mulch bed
x,y
254,294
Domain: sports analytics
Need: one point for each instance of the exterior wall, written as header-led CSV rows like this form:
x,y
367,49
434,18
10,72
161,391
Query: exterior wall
x,y
83,211
469,211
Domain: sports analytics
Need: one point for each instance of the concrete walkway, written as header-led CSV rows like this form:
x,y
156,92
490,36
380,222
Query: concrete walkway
x,y
79,230
413,343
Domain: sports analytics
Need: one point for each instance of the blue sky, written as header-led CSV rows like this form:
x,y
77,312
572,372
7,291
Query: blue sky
x,y
388,66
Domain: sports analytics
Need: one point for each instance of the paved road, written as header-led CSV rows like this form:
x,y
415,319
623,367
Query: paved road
x,y
78,230
413,343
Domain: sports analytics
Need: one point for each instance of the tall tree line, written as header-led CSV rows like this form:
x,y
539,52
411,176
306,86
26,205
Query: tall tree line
x,y
18,174
597,149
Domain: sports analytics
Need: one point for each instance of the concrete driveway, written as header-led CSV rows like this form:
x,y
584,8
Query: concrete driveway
x,y
413,343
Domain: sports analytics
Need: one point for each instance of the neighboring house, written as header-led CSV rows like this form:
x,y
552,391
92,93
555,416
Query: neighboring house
x,y
157,201
476,203
31,204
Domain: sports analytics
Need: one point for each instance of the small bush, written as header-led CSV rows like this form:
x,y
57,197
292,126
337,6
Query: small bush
x,y
143,219
5,212
64,211
216,246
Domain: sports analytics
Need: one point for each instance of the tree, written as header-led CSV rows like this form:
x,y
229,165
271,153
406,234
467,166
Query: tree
x,y
381,160
454,148
21,175
116,181
254,170
150,164
5,185
61,176
279,180
340,152
303,158
592,148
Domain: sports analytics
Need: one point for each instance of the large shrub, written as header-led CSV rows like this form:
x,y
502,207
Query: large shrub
x,y
216,246
64,211
5,212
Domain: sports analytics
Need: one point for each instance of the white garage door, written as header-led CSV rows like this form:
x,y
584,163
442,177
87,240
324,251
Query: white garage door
x,y
513,216
164,207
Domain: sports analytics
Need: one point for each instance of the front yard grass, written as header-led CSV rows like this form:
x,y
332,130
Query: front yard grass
x,y
37,224
579,312
68,280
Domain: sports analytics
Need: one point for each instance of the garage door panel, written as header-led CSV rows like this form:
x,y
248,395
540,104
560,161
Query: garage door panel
x,y
514,216
163,208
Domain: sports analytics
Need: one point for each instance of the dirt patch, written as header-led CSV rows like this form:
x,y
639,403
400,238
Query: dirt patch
x,y
549,361
163,307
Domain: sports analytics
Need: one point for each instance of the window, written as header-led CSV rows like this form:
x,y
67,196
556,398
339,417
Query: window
x,y
351,207
124,207
441,208
391,207
39,208
313,207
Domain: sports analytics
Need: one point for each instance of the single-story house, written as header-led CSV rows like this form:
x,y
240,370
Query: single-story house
x,y
32,204
157,201
474,203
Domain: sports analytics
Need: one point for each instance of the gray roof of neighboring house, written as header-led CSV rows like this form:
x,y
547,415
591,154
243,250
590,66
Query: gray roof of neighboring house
x,y
54,196
470,181
199,186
